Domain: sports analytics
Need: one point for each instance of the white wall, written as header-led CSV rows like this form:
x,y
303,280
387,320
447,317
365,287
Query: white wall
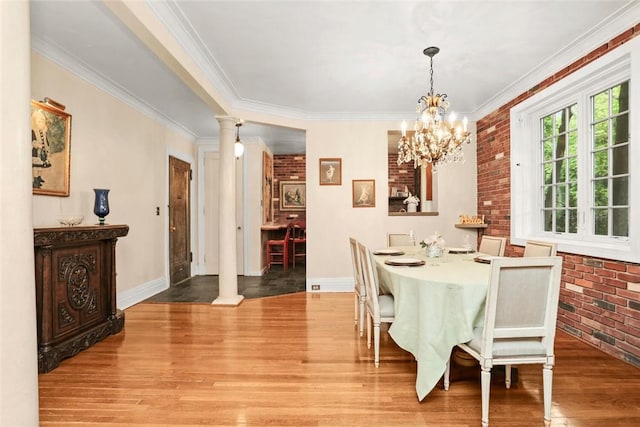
x,y
331,219
116,147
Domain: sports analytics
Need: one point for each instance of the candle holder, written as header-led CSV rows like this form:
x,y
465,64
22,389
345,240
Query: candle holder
x,y
101,205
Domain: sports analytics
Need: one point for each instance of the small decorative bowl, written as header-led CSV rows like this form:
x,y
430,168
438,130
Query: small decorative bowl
x,y
71,220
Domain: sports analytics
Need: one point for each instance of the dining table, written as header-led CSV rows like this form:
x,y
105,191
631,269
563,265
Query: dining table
x,y
437,304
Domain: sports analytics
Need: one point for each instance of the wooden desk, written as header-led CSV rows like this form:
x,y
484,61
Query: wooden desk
x,y
75,289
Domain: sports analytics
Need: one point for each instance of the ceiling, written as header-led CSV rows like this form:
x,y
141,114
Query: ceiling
x,y
334,60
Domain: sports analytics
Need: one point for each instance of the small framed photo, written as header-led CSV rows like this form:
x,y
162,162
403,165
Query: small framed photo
x,y
293,196
364,193
331,171
50,148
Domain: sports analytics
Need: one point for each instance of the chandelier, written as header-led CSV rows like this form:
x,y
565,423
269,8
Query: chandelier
x,y
436,140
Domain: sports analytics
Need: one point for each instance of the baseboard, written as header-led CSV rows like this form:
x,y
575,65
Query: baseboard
x,y
335,284
141,292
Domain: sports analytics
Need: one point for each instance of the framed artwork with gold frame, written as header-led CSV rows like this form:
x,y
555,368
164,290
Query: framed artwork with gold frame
x,y
50,148
364,193
293,196
331,171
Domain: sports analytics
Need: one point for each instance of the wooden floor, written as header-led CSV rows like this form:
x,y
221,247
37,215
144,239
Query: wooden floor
x,y
297,360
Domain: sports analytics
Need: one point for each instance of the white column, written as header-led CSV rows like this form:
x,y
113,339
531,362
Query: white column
x,y
18,337
227,270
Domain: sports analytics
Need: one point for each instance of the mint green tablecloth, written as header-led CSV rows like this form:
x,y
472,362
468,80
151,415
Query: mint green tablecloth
x,y
436,307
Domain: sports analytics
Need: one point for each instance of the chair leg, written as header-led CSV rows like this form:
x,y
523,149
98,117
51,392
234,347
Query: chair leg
x,y
485,386
447,372
547,379
507,376
376,344
356,303
368,330
362,311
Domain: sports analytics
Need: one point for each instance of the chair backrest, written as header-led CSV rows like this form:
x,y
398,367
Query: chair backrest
x,y
492,245
298,230
357,267
370,280
522,302
536,248
400,239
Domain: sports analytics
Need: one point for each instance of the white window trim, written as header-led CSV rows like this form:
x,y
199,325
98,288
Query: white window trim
x,y
621,64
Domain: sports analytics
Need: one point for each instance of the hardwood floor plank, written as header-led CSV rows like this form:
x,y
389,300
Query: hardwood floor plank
x,y
297,360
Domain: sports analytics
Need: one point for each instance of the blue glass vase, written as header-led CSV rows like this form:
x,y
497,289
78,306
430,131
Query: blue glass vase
x,y
101,205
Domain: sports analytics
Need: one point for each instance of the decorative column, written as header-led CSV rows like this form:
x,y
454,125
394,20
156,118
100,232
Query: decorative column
x,y
228,274
18,332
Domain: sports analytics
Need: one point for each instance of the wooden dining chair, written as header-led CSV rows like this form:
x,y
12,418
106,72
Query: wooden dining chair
x,y
537,248
400,239
521,309
380,308
298,241
278,251
359,289
490,245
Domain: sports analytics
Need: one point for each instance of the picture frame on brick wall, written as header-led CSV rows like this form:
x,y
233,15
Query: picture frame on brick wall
x,y
293,196
331,171
364,193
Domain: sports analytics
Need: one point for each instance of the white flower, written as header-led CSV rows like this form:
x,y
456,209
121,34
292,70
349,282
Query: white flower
x,y
435,240
411,199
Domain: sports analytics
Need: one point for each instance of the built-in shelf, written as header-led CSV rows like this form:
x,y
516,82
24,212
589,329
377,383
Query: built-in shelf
x,y
413,213
471,225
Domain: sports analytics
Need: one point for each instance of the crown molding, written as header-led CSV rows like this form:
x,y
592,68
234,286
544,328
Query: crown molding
x,y
73,65
610,27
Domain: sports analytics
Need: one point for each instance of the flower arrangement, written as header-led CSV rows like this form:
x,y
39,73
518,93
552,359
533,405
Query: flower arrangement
x,y
435,241
411,200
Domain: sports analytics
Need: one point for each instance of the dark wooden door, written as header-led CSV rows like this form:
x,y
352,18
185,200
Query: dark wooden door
x,y
179,220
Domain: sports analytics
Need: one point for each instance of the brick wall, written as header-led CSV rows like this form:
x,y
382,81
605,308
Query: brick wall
x,y
401,175
289,167
599,298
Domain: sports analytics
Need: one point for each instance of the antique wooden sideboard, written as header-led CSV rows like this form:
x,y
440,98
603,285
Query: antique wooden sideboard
x,y
75,270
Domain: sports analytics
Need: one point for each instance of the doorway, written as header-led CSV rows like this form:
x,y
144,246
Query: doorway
x,y
179,220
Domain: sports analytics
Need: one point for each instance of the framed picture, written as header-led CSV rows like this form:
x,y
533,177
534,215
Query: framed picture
x,y
293,196
267,188
50,148
364,193
331,171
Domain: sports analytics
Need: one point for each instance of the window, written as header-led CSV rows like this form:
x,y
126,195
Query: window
x,y
570,153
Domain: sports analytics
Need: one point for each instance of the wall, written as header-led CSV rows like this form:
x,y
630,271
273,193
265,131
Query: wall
x,y
116,147
331,219
288,167
599,297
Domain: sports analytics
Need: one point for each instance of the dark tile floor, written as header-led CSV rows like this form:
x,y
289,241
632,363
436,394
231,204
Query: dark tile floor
x,y
205,288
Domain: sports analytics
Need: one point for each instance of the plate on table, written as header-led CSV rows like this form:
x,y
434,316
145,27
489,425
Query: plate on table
x,y
485,259
388,251
460,251
408,262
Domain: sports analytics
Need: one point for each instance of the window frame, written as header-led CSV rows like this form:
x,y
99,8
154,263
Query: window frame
x,y
526,179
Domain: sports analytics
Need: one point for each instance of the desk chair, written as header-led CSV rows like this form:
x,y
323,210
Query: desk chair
x,y
278,251
298,241
400,239
521,310
536,248
359,290
380,308
490,245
